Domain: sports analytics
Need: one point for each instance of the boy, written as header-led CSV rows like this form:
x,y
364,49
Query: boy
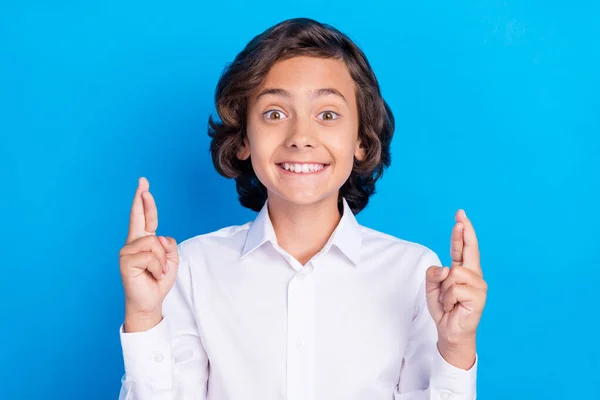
x,y
303,302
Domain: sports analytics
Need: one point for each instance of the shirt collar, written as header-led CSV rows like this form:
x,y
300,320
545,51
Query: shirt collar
x,y
347,236
260,231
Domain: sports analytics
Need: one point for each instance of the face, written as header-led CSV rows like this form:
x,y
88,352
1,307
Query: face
x,y
302,130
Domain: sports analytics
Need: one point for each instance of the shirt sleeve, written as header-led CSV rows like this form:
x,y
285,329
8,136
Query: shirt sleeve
x,y
168,361
425,374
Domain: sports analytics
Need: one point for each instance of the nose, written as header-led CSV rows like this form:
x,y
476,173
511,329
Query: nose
x,y
301,134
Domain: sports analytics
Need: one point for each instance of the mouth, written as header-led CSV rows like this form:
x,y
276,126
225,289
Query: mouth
x,y
302,168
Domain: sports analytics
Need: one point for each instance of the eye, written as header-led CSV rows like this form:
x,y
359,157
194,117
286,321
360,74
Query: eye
x,y
329,115
274,115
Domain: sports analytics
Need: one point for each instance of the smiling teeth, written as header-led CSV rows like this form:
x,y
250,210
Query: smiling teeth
x,y
302,168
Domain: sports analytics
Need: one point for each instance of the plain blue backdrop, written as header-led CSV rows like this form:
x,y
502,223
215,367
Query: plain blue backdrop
x,y
497,112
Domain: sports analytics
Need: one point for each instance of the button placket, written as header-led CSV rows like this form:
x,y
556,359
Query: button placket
x,y
300,336
445,395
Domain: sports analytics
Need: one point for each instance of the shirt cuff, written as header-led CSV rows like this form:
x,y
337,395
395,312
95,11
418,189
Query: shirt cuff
x,y
450,382
147,355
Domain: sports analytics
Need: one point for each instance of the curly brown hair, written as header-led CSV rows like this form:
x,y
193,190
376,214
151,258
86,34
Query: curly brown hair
x,y
291,38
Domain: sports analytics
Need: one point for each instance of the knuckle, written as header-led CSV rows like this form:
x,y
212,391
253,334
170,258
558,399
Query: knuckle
x,y
158,245
454,272
126,250
153,239
445,290
450,279
446,284
124,262
154,268
149,258
452,289
460,271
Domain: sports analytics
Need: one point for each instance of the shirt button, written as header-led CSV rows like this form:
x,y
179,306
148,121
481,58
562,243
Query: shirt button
x,y
301,276
158,357
446,395
299,344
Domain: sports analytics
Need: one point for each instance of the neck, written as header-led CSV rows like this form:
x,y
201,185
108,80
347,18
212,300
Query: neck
x,y
303,230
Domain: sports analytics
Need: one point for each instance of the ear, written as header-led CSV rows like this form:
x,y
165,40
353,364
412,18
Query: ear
x,y
359,151
244,151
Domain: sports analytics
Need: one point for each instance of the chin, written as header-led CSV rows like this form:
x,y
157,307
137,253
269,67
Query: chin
x,y
302,190
305,198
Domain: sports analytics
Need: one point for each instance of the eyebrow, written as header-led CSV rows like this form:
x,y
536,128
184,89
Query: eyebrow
x,y
315,93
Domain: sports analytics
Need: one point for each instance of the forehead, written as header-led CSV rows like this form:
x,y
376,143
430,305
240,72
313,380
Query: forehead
x,y
304,73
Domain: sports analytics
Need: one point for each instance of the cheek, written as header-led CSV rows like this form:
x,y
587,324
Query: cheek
x,y
343,145
261,152
264,139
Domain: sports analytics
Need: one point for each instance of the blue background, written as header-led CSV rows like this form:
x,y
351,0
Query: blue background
x,y
497,111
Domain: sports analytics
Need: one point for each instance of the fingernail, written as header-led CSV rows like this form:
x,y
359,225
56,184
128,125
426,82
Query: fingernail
x,y
441,298
439,271
464,214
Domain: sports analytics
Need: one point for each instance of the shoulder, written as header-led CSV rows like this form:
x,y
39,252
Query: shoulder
x,y
229,237
404,251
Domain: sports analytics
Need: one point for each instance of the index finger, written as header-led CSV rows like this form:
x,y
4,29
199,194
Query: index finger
x,y
457,244
137,220
471,255
150,213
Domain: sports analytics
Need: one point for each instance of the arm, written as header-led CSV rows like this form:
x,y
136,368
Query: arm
x,y
167,361
425,374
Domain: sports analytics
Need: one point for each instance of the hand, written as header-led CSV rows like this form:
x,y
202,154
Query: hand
x,y
456,296
148,263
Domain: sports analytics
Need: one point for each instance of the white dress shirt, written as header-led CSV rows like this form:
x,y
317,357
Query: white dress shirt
x,y
245,320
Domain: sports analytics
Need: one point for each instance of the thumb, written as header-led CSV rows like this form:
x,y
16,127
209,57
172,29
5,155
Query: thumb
x,y
170,246
172,254
433,282
434,278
